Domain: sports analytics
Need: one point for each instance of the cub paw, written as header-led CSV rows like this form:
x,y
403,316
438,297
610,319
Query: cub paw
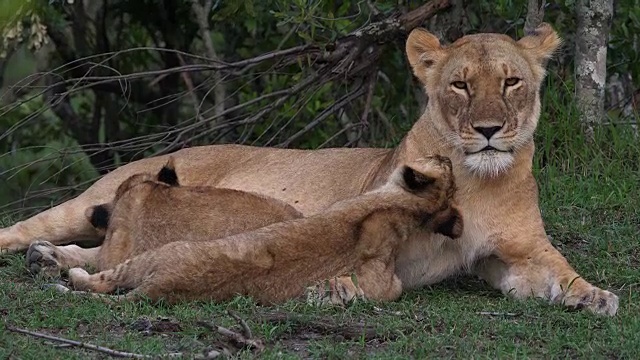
x,y
56,287
596,300
339,291
42,259
78,279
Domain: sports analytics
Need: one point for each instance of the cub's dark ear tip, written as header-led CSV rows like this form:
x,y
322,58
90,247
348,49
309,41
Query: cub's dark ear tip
x,y
99,217
415,180
168,176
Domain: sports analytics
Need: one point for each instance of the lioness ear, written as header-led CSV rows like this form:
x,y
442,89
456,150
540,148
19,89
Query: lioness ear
x,y
423,51
451,224
415,181
541,43
99,216
168,174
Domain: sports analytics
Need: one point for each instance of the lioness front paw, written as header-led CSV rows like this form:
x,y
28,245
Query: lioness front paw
x,y
598,301
339,291
42,259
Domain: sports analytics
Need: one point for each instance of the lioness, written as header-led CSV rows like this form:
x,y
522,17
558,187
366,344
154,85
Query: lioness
x,y
483,108
275,263
150,210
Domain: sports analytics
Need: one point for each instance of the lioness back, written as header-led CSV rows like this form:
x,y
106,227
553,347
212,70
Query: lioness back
x,y
148,213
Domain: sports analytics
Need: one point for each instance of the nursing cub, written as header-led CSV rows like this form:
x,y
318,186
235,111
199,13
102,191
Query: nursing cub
x,y
276,263
150,210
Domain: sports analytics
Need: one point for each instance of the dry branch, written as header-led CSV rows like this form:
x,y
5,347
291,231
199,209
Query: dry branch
x,y
102,349
67,343
202,15
324,327
325,114
244,340
349,60
343,51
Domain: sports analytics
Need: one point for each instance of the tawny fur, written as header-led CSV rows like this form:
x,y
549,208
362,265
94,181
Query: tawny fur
x,y
150,210
275,263
504,240
147,213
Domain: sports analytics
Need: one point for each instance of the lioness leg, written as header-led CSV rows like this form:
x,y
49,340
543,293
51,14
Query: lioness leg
x,y
543,272
66,222
61,224
45,258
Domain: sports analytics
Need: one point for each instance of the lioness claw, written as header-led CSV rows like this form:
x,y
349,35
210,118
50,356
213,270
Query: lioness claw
x,y
598,301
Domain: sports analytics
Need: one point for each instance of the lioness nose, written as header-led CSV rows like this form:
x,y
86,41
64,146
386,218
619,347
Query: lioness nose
x,y
488,132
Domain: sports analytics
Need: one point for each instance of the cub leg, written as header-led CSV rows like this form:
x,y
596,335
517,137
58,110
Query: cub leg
x,y
376,280
47,259
105,297
123,276
103,282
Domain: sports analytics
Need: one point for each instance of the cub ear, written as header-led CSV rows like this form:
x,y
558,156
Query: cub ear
x,y
450,224
423,51
98,216
414,180
168,173
541,43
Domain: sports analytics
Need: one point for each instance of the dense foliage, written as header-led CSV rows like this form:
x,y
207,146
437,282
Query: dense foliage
x,y
89,85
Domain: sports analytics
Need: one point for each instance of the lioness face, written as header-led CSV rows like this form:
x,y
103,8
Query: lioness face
x,y
483,92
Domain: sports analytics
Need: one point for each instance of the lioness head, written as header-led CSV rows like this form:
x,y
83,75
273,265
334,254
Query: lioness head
x,y
431,179
483,91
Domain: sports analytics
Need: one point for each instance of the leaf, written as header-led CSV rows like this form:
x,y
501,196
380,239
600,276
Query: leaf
x,y
248,6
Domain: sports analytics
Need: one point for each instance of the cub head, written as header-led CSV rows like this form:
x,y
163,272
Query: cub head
x,y
431,180
484,92
99,215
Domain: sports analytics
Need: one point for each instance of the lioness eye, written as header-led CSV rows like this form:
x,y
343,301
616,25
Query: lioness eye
x,y
511,81
459,85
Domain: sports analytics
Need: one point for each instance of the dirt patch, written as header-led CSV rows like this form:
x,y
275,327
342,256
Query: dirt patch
x,y
156,326
303,330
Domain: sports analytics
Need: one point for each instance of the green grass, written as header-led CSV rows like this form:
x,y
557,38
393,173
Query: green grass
x,y
590,204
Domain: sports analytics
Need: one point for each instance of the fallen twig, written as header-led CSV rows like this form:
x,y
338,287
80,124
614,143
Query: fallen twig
x,y
115,353
348,331
492,313
102,349
238,339
241,340
245,328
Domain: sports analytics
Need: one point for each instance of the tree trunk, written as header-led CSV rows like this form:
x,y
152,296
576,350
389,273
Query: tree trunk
x,y
592,35
535,15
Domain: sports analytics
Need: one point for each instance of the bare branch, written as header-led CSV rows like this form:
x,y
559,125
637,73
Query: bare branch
x,y
116,353
102,349
202,13
245,328
325,114
238,339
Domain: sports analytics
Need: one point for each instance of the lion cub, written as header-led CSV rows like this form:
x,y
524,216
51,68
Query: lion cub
x,y
149,211
275,263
